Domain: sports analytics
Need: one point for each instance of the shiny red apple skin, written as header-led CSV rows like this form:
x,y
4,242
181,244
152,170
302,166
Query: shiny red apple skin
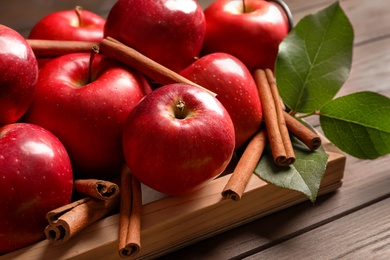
x,y
18,74
65,25
167,31
87,117
35,178
175,154
253,36
235,87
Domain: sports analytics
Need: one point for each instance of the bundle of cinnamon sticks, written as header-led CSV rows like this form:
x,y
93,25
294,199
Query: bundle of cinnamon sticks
x,y
102,198
278,126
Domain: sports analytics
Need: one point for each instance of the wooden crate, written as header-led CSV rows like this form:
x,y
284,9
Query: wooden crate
x,y
169,223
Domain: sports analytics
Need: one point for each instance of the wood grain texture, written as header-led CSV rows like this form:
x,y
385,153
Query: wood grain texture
x,y
358,191
349,222
365,183
174,222
354,236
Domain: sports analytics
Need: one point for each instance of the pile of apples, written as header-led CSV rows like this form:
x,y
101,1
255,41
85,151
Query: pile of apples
x,y
84,115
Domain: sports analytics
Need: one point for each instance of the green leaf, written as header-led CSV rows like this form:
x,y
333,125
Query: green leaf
x,y
358,124
315,59
304,175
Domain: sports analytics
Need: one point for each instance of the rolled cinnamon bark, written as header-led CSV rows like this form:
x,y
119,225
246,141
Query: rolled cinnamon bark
x,y
136,60
302,132
99,189
272,121
130,215
67,221
245,167
54,48
290,155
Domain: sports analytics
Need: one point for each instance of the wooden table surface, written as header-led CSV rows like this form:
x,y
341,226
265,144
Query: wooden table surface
x,y
350,223
353,222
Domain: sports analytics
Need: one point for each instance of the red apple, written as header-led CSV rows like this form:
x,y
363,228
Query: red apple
x,y
35,178
170,32
18,74
235,87
87,115
252,35
178,138
71,25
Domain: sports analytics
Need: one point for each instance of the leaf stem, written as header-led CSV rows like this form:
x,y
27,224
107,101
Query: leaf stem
x,y
316,112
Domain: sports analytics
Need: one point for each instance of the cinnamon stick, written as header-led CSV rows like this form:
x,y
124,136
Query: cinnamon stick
x,y
99,189
245,167
272,120
302,132
67,221
54,48
131,57
130,215
281,120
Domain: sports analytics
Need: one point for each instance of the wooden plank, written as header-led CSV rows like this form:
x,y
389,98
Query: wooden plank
x,y
364,183
355,236
370,68
173,222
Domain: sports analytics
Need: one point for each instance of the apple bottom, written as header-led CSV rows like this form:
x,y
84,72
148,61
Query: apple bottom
x,y
177,139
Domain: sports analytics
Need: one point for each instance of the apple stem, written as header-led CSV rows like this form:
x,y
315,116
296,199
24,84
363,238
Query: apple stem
x,y
180,105
94,51
243,6
78,9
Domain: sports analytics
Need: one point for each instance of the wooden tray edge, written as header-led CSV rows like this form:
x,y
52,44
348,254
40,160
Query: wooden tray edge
x,y
174,222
